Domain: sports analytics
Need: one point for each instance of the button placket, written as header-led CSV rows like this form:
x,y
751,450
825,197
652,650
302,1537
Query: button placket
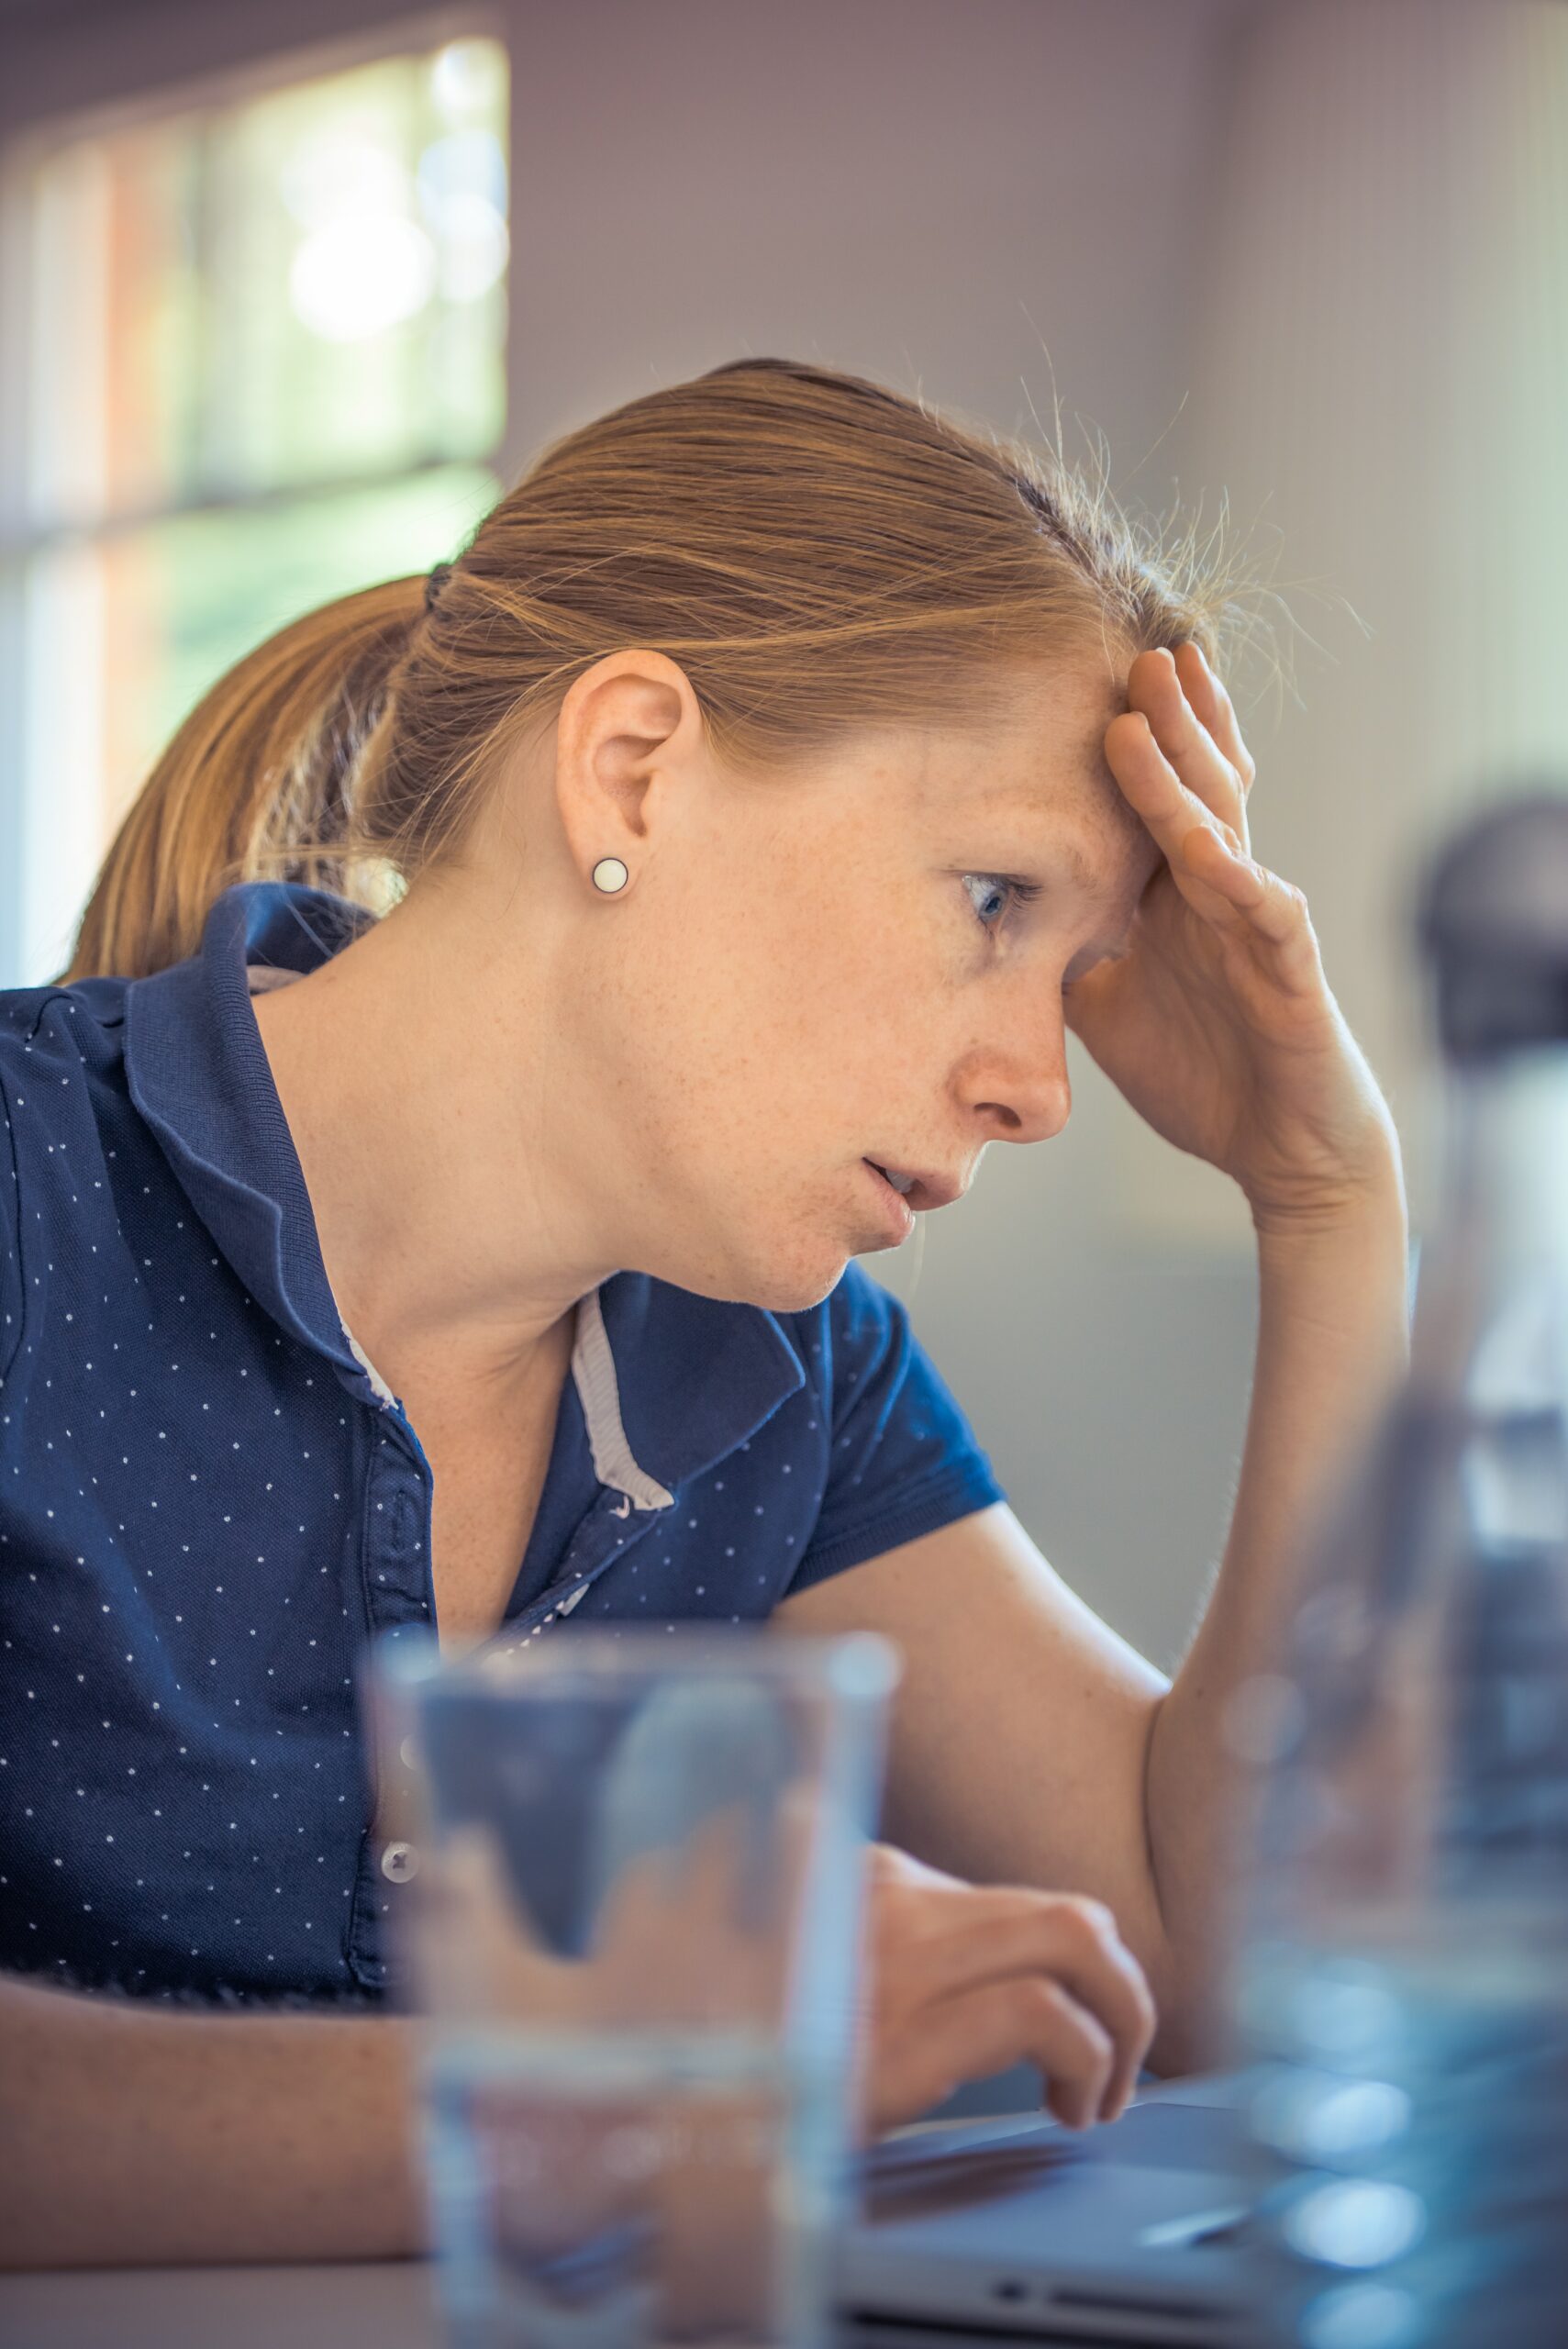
x,y
397,1518
398,1592
604,1538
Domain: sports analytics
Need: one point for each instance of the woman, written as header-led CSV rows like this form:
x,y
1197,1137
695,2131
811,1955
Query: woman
x,y
770,784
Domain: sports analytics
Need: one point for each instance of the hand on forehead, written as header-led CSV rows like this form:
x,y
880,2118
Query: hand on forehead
x,y
1058,776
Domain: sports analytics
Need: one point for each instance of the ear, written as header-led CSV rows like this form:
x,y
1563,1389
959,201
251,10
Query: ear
x,y
624,729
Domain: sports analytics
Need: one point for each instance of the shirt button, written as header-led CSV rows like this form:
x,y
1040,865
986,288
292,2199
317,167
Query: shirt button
x,y
399,1862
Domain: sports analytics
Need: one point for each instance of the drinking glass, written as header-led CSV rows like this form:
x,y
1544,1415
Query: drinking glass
x,y
629,1917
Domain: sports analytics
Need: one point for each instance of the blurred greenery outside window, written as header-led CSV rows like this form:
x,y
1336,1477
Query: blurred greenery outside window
x,y
266,366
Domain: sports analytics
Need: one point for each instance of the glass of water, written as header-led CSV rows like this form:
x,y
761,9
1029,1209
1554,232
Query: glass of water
x,y
629,1916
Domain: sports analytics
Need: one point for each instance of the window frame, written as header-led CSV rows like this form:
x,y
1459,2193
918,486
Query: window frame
x,y
21,155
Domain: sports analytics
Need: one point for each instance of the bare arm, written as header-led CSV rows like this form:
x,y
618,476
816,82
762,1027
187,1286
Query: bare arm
x,y
1331,1346
1030,1744
136,2135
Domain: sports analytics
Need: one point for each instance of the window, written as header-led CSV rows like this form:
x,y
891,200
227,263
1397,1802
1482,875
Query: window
x,y
264,366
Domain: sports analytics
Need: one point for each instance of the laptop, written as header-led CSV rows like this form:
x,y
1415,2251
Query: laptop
x,y
1013,2224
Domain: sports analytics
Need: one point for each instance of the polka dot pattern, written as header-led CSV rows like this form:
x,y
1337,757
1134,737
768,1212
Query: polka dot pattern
x,y
209,1503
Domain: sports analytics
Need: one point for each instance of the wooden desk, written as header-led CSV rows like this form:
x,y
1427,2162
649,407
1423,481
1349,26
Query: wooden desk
x,y
372,2305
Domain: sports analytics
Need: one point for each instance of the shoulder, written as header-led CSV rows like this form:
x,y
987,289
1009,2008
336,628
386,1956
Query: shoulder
x,y
902,1458
48,1032
60,1057
57,1046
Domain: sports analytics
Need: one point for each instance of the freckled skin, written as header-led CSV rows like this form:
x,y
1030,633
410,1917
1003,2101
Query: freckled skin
x,y
794,975
798,972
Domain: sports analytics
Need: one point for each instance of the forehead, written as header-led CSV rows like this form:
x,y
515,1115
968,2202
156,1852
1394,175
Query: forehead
x,y
1043,776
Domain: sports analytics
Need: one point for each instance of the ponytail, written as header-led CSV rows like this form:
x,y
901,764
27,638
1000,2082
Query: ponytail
x,y
255,785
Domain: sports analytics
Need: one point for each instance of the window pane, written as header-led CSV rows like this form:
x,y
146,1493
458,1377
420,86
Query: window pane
x,y
280,292
123,635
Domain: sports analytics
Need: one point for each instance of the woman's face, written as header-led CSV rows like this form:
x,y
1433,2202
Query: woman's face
x,y
805,976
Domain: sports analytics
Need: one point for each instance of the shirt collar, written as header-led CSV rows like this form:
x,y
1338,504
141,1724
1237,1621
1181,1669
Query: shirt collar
x,y
670,1381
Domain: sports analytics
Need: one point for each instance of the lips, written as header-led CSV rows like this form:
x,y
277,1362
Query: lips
x,y
923,1190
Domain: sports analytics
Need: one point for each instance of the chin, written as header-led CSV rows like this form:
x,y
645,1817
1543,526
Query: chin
x,y
781,1272
781,1286
802,1295
794,1265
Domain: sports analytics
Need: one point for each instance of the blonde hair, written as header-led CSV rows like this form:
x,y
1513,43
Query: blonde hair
x,y
817,553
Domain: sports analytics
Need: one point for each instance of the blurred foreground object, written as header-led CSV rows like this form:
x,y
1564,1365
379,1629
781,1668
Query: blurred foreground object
x,y
1403,1985
632,1864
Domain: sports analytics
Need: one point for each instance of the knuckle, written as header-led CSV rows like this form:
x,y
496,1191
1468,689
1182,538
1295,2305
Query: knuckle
x,y
1038,2002
1096,2041
1143,2007
1043,2009
1091,1919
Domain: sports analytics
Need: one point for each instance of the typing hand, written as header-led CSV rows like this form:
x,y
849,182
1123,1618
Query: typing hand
x,y
967,1979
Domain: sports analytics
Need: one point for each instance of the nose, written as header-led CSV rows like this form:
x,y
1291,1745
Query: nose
x,y
1018,1090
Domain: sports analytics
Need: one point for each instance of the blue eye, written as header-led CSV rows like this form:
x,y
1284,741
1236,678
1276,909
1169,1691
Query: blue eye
x,y
1002,892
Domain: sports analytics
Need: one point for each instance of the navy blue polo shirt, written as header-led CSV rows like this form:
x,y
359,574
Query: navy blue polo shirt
x,y
210,1501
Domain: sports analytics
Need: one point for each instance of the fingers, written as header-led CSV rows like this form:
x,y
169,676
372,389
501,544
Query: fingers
x,y
1177,696
985,2029
1208,857
1013,1933
1213,704
1274,909
1169,806
1076,1943
946,1940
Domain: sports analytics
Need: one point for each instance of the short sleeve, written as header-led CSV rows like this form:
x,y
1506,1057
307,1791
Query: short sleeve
x,y
903,1458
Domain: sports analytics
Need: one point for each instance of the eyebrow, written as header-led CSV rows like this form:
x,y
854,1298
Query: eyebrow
x,y
1065,852
1025,802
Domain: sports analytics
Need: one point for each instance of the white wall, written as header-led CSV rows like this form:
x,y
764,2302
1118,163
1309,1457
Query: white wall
x,y
1379,370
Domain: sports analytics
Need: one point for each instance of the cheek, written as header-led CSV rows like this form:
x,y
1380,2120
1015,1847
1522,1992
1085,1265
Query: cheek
x,y
781,1022
788,959
722,1027
837,991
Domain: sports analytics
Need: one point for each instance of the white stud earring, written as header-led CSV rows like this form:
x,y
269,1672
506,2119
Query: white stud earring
x,y
610,874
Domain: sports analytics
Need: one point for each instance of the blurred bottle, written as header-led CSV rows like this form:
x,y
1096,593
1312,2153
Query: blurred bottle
x,y
1403,1984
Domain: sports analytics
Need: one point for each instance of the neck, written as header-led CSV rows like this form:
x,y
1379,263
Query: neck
x,y
420,1079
